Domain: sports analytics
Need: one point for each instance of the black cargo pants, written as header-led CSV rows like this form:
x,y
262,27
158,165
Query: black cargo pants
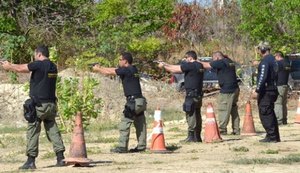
x,y
267,115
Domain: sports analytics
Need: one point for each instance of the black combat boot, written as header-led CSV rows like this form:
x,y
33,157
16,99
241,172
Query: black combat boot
x,y
60,159
190,137
29,164
198,136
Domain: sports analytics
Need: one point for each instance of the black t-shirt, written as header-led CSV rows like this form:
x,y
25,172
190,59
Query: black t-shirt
x,y
43,80
226,74
130,80
193,76
283,72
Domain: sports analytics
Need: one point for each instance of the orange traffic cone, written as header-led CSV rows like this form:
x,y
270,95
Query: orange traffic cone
x,y
211,133
248,126
158,139
297,119
78,155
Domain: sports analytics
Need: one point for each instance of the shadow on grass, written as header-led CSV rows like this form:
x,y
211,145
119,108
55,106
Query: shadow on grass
x,y
86,165
173,147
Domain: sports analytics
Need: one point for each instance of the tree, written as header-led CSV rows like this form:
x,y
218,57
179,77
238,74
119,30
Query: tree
x,y
31,22
276,21
119,23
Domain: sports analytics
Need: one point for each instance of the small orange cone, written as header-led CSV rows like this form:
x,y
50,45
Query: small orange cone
x,y
248,126
78,155
211,133
297,119
158,139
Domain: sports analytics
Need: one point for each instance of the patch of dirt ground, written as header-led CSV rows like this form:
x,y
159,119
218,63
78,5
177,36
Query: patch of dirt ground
x,y
235,154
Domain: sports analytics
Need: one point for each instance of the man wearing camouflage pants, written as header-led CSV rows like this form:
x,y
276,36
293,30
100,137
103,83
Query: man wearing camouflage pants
x,y
229,94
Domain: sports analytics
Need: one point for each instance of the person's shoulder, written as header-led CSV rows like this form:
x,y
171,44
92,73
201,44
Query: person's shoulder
x,y
35,65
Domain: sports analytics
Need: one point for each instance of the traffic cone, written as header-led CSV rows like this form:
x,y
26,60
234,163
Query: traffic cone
x,y
78,155
297,119
248,126
158,139
211,133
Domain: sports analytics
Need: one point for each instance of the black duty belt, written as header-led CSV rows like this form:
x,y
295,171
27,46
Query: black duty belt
x,y
47,100
134,97
193,93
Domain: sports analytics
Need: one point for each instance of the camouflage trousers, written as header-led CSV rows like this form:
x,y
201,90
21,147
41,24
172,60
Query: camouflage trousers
x,y
281,104
139,122
227,105
46,114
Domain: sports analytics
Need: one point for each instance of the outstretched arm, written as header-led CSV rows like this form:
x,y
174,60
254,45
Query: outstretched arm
x,y
206,65
104,70
170,68
19,68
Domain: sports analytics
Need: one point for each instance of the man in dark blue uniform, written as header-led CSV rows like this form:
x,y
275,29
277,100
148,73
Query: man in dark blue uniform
x,y
266,92
282,86
134,107
229,94
193,82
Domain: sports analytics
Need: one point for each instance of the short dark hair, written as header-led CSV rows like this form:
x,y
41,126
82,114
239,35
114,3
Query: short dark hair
x,y
192,54
279,53
43,50
219,54
127,56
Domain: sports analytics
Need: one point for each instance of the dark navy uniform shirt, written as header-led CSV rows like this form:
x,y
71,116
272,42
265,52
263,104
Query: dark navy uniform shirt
x,y
43,80
226,74
267,74
283,72
193,76
130,80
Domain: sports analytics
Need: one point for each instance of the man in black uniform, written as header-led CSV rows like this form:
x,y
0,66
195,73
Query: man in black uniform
x,y
282,86
229,94
42,91
266,92
193,82
134,107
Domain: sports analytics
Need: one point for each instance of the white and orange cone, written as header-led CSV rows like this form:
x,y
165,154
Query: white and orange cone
x,y
211,133
297,119
158,139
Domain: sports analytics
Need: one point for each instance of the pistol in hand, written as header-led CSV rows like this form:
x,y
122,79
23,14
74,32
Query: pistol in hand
x,y
92,64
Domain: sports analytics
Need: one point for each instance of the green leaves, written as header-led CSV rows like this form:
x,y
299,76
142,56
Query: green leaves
x,y
275,21
9,46
122,23
77,95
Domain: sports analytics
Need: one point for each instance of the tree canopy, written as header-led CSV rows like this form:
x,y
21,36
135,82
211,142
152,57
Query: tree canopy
x,y
276,21
148,29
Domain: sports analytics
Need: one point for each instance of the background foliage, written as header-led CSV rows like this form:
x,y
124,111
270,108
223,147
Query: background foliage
x,y
80,32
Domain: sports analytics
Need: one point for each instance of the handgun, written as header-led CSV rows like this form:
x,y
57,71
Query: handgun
x,y
92,64
157,61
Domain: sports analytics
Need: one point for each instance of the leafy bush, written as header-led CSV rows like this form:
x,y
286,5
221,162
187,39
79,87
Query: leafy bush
x,y
77,95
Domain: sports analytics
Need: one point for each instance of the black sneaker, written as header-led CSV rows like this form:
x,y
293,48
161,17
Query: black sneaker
x,y
119,150
136,150
268,140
